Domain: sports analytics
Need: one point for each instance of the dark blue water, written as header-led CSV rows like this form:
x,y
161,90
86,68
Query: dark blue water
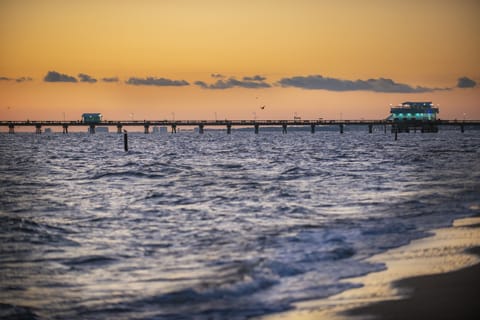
x,y
214,226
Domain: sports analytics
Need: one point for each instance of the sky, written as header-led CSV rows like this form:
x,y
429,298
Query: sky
x,y
209,59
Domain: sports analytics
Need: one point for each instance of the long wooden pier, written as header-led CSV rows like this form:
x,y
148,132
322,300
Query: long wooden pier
x,y
396,126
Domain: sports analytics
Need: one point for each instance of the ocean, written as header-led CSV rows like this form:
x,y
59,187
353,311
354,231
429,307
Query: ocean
x,y
215,226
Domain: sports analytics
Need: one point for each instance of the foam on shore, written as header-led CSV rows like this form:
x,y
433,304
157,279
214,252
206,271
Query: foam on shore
x,y
444,252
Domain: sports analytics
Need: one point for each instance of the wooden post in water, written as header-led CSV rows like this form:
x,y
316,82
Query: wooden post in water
x,y
284,128
147,128
38,128
370,128
256,128
396,132
125,140
11,129
119,128
341,128
65,129
200,128
229,128
462,128
312,128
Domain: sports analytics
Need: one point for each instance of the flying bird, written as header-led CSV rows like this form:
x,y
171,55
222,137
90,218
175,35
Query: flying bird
x,y
262,107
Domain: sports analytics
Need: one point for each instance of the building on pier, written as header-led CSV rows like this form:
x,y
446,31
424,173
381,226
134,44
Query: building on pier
x,y
414,115
91,117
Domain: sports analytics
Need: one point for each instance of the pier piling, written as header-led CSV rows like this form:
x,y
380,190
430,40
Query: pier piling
x,y
462,128
200,128
11,129
284,128
257,126
119,128
341,128
312,128
125,140
65,129
174,128
370,128
91,129
229,128
38,129
147,129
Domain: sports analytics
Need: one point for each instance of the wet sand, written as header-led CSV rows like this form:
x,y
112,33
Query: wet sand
x,y
453,295
431,278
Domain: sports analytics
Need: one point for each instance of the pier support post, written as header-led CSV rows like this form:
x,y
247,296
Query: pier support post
x,y
38,128
229,128
341,128
119,128
146,127
312,128
91,129
257,126
370,128
284,128
385,128
462,128
200,128
396,132
11,129
174,128
125,140
65,129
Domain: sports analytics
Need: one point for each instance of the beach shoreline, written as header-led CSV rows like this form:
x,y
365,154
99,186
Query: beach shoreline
x,y
440,269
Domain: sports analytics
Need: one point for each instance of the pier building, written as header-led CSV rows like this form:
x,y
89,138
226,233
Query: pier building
x,y
421,115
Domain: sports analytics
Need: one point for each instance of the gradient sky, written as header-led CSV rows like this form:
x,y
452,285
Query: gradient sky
x,y
193,59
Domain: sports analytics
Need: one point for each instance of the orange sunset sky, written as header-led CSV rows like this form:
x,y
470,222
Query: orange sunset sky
x,y
195,59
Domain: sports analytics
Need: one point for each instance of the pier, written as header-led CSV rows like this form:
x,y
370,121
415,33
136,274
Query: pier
x,y
395,126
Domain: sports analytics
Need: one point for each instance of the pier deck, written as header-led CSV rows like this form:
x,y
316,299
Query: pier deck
x,y
228,124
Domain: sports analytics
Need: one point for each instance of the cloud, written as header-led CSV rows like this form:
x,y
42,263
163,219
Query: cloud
x,y
254,78
110,79
151,81
86,78
318,82
53,76
256,82
21,79
217,75
465,82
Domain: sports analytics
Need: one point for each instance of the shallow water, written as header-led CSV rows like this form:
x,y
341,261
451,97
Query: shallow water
x,y
214,226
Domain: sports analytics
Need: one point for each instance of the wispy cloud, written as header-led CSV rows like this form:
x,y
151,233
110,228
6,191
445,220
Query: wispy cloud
x,y
110,79
53,76
151,81
86,78
255,82
318,82
21,79
465,82
254,78
217,75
